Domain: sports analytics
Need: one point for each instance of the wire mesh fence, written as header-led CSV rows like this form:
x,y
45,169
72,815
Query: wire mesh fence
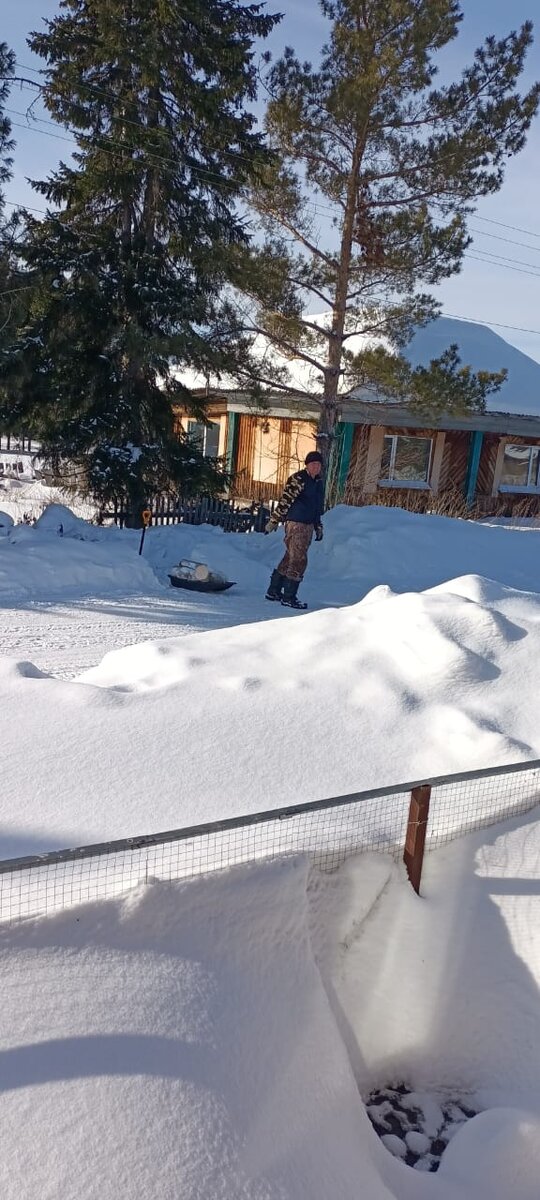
x,y
462,804
328,831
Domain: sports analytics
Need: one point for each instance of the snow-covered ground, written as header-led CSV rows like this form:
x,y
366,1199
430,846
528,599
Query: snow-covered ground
x,y
223,712
25,497
220,1039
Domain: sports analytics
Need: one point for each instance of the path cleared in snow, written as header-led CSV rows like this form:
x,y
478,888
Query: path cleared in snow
x,y
67,638
67,601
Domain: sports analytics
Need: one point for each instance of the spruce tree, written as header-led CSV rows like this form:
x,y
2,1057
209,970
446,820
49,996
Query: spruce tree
x,y
132,255
9,281
392,165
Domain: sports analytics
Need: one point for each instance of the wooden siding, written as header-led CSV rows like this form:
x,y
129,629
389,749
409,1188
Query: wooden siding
x,y
450,499
357,469
488,500
486,468
454,464
289,441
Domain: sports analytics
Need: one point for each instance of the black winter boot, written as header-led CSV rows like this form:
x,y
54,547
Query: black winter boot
x,y
289,598
275,587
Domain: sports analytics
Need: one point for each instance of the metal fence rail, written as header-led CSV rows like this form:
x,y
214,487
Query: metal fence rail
x,y
328,831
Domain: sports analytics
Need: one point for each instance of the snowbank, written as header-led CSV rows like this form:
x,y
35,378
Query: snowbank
x,y
216,1039
362,548
442,993
178,1044
6,523
411,551
176,732
24,498
64,556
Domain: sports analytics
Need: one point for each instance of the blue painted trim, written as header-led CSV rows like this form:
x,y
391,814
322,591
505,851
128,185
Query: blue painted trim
x,y
473,464
232,441
345,457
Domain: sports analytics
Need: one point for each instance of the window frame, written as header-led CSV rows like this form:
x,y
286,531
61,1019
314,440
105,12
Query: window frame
x,y
414,484
205,430
523,489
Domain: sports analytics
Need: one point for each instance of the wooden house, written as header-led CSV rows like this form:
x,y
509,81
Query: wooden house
x,y
383,453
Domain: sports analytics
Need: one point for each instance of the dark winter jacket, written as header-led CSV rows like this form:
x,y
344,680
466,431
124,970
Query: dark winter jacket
x,y
302,500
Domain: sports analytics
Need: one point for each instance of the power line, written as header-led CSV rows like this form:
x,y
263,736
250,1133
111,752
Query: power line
x,y
236,154
502,266
206,174
170,163
510,241
315,207
510,264
121,119
503,258
515,228
498,324
446,156
453,316
30,207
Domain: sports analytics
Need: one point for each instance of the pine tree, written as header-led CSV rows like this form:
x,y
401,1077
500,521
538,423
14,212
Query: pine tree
x,y
132,254
368,145
9,281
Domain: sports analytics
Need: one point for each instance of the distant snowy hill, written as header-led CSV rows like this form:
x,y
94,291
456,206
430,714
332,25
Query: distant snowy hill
x,y
479,348
482,349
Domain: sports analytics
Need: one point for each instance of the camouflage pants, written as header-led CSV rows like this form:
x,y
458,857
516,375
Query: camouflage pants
x,y
297,542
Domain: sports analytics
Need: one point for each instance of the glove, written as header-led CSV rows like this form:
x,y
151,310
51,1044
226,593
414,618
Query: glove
x,y
271,526
319,533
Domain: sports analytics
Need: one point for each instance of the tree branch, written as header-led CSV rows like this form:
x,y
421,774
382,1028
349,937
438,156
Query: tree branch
x,y
299,237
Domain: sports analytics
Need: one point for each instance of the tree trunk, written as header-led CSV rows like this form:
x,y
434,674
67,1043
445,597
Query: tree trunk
x,y
329,408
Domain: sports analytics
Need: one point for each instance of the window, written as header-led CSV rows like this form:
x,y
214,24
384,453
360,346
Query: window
x,y
205,437
266,451
406,460
520,469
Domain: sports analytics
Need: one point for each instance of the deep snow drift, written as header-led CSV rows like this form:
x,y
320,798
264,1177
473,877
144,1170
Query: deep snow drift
x,y
216,1040
362,547
177,731
186,730
177,1053
181,1042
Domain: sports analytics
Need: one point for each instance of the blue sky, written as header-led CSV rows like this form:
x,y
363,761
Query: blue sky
x,y
499,293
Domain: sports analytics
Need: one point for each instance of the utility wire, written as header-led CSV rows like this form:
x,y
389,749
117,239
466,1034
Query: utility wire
x,y
234,154
196,170
502,266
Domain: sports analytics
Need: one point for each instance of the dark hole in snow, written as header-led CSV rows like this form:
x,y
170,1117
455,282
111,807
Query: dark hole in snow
x,y
416,1126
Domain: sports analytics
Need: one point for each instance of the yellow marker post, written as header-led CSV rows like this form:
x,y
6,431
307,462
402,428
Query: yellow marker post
x,y
146,519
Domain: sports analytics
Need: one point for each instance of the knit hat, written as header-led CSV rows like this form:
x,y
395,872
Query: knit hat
x,y
313,456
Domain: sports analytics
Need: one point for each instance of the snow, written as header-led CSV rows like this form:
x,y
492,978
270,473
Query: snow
x,y
27,498
424,683
6,523
219,1038
479,347
483,350
222,1038
179,1053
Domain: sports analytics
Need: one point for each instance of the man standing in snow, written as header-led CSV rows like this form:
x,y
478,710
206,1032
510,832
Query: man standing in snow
x,y
300,508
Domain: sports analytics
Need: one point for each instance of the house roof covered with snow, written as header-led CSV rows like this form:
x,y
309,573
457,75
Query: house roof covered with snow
x,y
478,346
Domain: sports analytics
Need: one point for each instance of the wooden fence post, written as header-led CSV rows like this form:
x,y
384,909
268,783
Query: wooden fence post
x,y
415,840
